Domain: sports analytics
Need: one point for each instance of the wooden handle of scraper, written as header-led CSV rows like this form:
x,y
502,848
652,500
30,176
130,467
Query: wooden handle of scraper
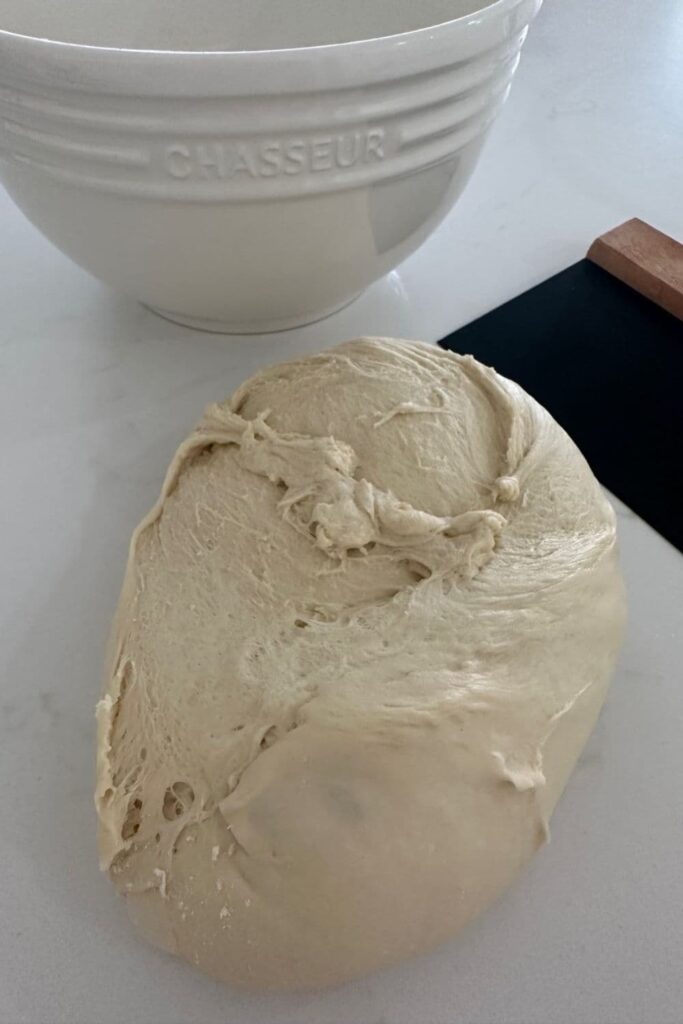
x,y
645,259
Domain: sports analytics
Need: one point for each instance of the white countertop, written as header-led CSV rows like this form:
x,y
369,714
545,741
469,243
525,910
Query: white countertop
x,y
95,393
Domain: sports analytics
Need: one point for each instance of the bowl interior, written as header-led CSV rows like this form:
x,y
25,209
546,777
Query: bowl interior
x,y
224,24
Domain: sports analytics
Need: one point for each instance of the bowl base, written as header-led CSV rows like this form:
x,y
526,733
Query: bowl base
x,y
252,327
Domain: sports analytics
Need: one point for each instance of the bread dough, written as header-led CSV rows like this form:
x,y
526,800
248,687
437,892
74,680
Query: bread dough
x,y
363,637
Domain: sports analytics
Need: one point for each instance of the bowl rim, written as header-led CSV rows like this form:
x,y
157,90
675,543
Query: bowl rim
x,y
32,65
373,45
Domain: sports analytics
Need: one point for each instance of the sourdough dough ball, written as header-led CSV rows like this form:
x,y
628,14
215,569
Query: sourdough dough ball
x,y
363,637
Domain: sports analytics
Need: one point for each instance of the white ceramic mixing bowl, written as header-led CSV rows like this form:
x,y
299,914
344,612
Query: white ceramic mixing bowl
x,y
247,165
